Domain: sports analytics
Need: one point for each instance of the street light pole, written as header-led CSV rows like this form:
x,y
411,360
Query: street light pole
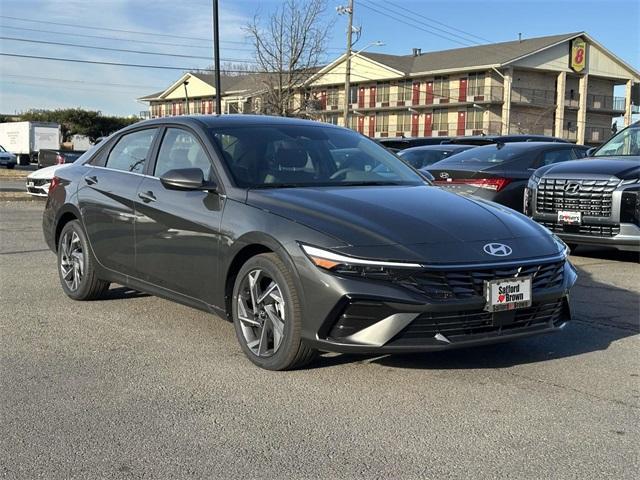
x,y
347,74
216,53
186,97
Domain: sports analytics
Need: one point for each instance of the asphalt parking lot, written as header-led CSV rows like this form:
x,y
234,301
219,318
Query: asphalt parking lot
x,y
138,387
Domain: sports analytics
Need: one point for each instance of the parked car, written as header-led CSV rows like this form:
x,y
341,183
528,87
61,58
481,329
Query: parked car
x,y
491,139
500,172
38,182
420,157
46,158
7,159
251,218
400,143
594,201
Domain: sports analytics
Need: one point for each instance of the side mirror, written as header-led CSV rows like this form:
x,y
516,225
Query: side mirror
x,y
591,151
186,179
427,175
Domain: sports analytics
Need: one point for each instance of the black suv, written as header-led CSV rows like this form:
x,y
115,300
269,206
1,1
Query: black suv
x,y
595,201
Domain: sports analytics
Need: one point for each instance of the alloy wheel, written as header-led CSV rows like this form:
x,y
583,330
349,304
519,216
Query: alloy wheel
x,y
261,312
71,260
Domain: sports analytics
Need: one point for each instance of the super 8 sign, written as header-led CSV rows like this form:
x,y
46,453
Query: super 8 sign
x,y
578,55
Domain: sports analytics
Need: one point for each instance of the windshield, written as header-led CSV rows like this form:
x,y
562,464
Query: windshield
x,y
272,156
491,155
625,143
2,149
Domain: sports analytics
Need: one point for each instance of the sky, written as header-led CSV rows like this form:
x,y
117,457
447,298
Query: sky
x,y
184,28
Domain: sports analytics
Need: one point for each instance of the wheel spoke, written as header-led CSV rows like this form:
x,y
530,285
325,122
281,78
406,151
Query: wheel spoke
x,y
272,286
253,288
242,313
277,326
264,341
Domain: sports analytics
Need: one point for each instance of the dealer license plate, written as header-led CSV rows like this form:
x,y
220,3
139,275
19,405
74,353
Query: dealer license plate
x,y
508,294
570,218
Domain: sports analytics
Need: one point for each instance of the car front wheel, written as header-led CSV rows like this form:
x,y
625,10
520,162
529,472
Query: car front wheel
x,y
76,265
267,315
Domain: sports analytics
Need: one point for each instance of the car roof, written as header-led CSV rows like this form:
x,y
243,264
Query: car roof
x,y
524,146
447,147
233,120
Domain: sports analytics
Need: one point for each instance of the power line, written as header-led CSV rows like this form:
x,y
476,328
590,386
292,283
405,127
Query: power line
x,y
65,80
75,45
100,37
136,32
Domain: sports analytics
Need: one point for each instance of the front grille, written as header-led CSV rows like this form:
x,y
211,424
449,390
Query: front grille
x,y
591,230
454,325
448,284
591,197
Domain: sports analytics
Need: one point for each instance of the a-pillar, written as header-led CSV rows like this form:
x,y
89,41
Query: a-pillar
x,y
582,108
560,98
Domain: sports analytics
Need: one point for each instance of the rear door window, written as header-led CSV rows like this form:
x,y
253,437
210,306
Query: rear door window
x,y
131,152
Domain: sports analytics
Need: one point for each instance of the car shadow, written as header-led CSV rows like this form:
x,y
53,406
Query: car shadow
x,y
123,293
602,314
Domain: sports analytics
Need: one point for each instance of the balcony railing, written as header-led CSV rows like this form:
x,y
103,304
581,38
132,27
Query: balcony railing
x,y
605,102
597,134
533,96
572,100
414,98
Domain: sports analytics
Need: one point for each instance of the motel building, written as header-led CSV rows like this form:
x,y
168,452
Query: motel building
x,y
568,86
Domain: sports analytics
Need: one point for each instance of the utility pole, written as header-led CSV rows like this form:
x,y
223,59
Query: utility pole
x,y
216,53
347,72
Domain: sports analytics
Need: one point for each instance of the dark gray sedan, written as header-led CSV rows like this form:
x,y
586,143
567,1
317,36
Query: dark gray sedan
x,y
309,237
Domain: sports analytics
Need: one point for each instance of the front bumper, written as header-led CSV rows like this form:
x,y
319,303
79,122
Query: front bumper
x,y
38,188
628,239
376,317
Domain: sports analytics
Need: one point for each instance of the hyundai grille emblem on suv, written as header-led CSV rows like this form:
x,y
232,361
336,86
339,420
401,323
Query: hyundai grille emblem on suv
x,y
497,249
444,175
572,187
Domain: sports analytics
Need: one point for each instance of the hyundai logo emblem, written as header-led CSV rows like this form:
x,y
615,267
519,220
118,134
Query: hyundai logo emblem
x,y
497,249
444,175
572,187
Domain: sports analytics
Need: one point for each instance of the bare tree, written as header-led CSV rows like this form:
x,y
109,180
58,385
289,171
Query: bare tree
x,y
289,45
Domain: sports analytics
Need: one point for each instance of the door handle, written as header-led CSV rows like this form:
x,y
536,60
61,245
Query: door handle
x,y
147,197
92,180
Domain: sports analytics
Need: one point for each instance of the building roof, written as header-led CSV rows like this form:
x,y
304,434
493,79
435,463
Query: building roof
x,y
481,55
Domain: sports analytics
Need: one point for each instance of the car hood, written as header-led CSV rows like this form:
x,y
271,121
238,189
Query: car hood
x,y
620,167
407,222
46,172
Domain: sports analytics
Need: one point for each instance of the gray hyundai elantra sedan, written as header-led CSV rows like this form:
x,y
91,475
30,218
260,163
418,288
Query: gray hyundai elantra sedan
x,y
307,236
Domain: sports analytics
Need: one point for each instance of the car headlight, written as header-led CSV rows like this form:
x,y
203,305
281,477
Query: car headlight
x,y
564,248
346,265
533,182
630,181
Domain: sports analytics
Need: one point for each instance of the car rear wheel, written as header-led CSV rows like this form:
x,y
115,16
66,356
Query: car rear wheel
x,y
76,265
267,315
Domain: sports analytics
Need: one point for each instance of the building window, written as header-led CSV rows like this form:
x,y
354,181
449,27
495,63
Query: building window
x,y
440,119
232,107
474,118
441,87
382,92
197,105
405,91
403,122
382,122
332,119
475,84
353,122
353,94
332,97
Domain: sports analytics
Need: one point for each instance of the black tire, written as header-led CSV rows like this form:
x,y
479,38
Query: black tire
x,y
89,286
10,166
292,352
